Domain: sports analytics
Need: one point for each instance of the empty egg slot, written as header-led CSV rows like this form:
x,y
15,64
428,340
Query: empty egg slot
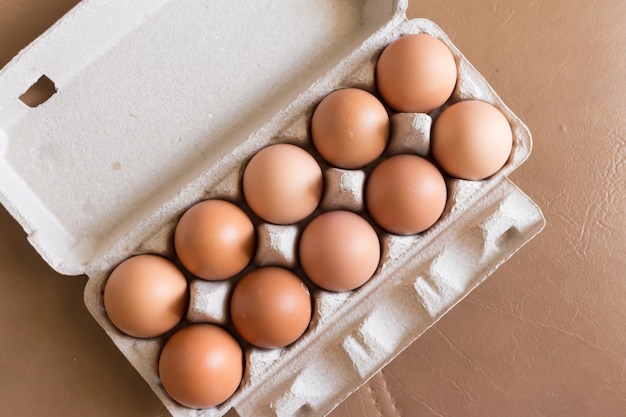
x,y
277,245
343,189
410,133
39,92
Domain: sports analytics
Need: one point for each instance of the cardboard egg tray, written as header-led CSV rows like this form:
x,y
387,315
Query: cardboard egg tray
x,y
160,104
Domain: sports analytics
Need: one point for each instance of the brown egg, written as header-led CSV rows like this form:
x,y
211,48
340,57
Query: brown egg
x,y
283,184
405,194
145,296
350,128
416,74
271,307
471,140
201,366
339,250
215,239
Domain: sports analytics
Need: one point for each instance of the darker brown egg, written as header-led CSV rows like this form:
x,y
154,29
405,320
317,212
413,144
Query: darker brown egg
x,y
271,307
405,194
339,250
201,366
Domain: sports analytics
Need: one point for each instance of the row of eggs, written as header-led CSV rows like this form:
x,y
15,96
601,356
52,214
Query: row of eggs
x,y
201,365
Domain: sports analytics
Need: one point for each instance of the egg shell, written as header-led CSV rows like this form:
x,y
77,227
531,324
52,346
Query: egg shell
x,y
201,365
350,128
471,140
339,250
270,307
283,184
416,73
146,296
215,239
405,194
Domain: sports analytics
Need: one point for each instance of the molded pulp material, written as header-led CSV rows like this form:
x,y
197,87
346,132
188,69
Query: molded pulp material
x,y
165,111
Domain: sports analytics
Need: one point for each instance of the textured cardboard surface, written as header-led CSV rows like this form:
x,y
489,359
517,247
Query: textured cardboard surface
x,y
487,346
152,138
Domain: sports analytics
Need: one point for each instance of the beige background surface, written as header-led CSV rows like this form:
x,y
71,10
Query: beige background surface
x,y
544,336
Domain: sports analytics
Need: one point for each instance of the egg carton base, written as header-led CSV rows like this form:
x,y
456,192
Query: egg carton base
x,y
378,321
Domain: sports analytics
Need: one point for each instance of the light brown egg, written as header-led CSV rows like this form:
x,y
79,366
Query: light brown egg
x,y
416,74
215,240
283,184
405,194
350,128
339,250
145,296
201,366
471,140
271,307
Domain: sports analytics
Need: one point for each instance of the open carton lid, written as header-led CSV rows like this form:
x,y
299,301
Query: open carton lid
x,y
149,94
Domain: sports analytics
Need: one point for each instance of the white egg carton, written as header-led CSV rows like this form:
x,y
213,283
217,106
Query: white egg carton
x,y
161,103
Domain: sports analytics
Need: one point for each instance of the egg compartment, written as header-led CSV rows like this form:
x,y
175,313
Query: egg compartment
x,y
353,334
